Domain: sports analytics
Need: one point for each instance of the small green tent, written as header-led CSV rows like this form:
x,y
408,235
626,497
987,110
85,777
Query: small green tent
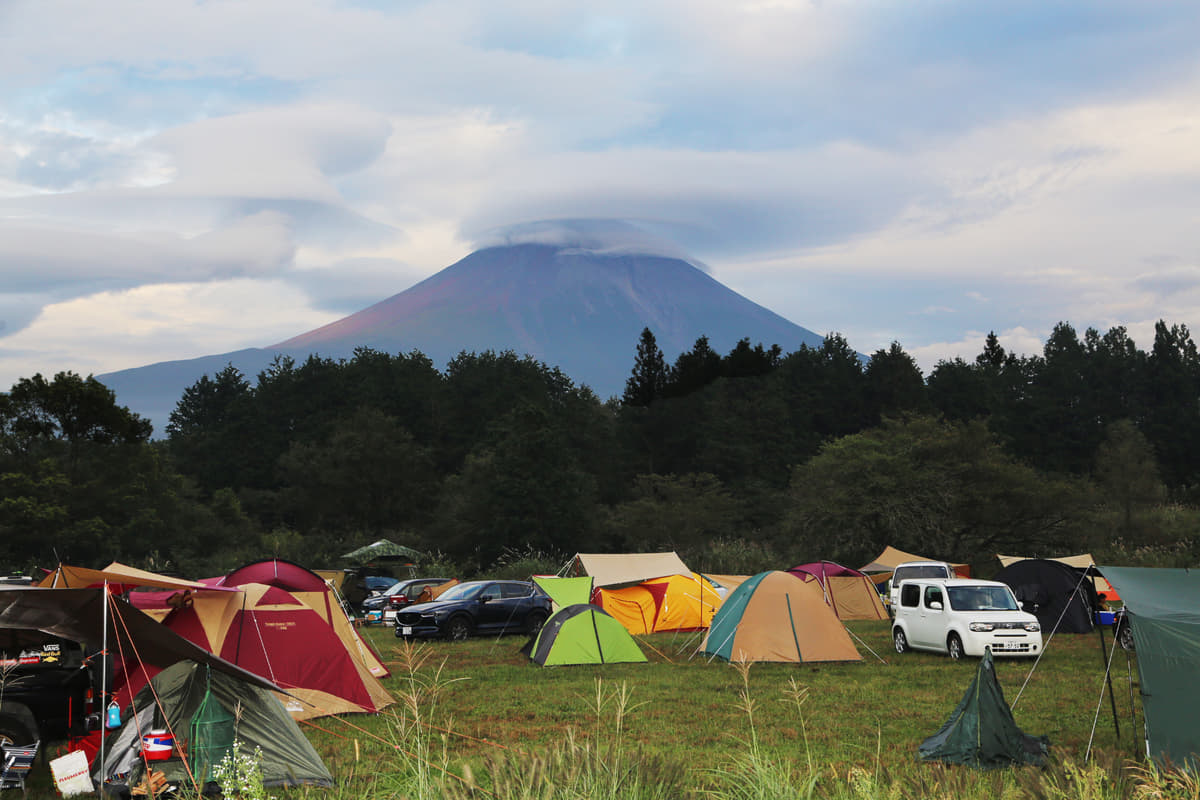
x,y
1163,607
204,710
578,632
982,732
583,634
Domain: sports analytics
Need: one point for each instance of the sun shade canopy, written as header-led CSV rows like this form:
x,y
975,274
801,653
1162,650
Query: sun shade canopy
x,y
78,614
614,569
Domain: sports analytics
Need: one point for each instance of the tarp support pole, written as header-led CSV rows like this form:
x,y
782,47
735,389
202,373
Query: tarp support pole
x,y
103,684
1104,659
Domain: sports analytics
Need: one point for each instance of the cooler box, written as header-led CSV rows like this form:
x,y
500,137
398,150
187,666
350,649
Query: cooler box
x,y
158,745
1106,617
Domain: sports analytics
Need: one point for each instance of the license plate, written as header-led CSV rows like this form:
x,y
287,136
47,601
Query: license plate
x,y
406,630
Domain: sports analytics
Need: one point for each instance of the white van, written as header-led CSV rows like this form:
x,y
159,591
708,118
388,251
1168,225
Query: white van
x,y
916,569
960,617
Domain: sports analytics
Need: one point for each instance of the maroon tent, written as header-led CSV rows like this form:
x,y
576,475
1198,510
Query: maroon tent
x,y
850,593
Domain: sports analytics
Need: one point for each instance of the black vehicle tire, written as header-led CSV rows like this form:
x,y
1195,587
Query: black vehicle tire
x,y
457,629
14,731
396,630
900,640
954,646
1125,636
534,622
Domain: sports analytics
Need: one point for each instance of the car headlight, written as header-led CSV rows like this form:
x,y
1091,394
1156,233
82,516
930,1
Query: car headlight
x,y
981,627
1032,626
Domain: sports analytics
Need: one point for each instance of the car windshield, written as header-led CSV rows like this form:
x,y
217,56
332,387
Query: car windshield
x,y
463,591
982,598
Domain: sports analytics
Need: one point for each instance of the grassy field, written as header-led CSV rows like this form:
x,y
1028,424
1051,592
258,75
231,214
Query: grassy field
x,y
483,707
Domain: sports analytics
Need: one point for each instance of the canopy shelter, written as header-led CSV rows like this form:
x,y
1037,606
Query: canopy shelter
x,y
890,558
1163,607
850,593
383,550
981,732
1104,589
775,616
565,592
114,575
615,569
79,615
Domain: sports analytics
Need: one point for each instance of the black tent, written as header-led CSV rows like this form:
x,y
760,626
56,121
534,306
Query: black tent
x,y
1060,596
982,732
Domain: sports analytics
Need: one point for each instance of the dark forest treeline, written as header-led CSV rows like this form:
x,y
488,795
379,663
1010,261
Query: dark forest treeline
x,y
741,461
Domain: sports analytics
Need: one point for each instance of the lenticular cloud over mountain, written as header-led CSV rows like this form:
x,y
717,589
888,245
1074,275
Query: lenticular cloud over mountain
x,y
574,295
589,237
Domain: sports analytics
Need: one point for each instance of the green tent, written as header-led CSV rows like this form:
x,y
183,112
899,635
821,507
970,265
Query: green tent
x,y
383,550
1163,608
982,732
204,710
582,634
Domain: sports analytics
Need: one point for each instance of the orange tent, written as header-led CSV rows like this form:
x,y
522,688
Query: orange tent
x,y
672,603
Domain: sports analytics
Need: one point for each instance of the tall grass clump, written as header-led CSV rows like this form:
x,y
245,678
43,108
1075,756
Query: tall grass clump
x,y
751,773
576,768
421,758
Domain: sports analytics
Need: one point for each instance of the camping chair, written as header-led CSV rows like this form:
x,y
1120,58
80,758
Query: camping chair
x,y
17,763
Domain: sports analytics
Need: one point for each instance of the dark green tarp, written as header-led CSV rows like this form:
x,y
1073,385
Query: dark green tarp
x,y
1163,607
981,732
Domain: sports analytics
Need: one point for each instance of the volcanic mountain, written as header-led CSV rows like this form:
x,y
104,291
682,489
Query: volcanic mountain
x,y
580,310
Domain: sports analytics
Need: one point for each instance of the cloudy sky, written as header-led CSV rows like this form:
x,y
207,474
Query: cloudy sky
x,y
182,178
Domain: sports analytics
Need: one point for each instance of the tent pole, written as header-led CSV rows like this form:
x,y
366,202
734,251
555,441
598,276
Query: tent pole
x,y
103,683
1112,699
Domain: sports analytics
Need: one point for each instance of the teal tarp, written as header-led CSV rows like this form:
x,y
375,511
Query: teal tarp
x,y
1163,606
982,732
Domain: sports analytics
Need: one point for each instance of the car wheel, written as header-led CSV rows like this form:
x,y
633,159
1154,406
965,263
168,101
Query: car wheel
x,y
15,732
458,629
954,646
900,640
534,622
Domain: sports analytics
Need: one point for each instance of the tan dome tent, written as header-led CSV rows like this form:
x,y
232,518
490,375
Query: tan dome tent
x,y
775,616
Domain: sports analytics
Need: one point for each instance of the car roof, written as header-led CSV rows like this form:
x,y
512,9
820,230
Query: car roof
x,y
956,581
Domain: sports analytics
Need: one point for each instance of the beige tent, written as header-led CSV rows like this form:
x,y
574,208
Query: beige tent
x,y
68,577
890,558
728,582
614,569
775,616
850,593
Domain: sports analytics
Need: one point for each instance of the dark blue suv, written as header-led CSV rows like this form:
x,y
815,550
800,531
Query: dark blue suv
x,y
477,607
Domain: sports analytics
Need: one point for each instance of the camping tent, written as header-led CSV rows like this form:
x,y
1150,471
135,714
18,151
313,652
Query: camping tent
x,y
775,616
1164,613
271,632
658,605
891,558
615,569
205,710
982,732
578,632
314,591
850,593
1061,597
727,582
1082,561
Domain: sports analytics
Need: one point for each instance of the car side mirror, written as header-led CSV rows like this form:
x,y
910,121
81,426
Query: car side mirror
x,y
935,606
